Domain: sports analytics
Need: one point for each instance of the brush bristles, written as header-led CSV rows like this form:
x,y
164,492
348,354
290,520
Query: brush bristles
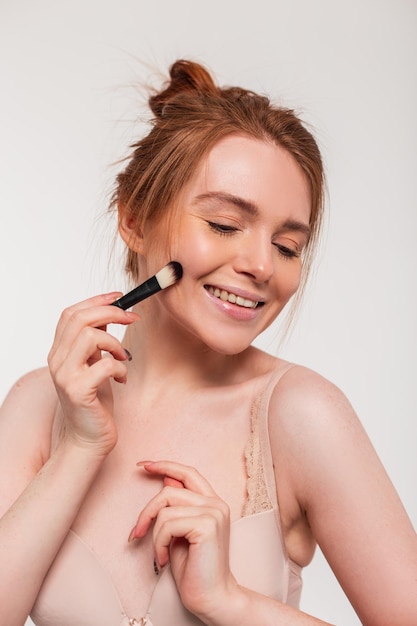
x,y
169,274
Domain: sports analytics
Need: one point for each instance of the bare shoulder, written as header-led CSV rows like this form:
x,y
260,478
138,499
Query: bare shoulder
x,y
313,424
27,412
329,475
26,419
304,402
35,386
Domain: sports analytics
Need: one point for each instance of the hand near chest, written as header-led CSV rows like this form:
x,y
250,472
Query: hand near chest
x,y
190,528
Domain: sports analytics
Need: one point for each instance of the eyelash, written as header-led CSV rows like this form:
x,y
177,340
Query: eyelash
x,y
287,253
222,229
226,231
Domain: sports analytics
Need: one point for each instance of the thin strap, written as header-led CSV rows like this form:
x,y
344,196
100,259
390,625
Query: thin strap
x,y
265,444
293,578
261,490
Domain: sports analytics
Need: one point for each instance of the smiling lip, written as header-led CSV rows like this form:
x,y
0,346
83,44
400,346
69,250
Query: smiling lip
x,y
233,298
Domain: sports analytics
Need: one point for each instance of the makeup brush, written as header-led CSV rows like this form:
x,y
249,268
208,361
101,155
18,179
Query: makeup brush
x,y
166,277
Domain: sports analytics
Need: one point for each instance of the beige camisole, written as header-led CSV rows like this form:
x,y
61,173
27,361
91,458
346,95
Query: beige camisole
x,y
78,591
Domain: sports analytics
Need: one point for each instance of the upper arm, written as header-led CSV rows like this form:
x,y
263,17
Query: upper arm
x,y
349,501
26,418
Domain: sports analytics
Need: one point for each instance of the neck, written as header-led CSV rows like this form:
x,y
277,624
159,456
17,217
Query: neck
x,y
173,354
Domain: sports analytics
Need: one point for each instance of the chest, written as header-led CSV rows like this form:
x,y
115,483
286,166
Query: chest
x,y
209,434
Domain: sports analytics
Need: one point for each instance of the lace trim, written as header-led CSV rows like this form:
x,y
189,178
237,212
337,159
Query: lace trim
x,y
257,495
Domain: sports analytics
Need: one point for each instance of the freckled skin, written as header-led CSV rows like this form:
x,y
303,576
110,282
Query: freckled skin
x,y
246,258
186,401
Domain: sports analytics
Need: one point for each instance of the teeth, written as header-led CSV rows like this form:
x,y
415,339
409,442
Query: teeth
x,y
231,297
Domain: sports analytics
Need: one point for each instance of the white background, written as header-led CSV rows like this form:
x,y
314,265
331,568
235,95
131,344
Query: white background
x,y
69,107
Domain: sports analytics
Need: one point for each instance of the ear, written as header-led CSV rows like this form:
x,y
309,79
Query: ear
x,y
130,235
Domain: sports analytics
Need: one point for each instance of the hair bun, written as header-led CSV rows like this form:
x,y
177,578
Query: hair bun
x,y
185,77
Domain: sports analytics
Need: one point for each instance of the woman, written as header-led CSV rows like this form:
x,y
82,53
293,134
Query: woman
x,y
183,476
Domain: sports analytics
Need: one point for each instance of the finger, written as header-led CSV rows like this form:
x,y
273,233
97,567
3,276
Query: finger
x,y
100,300
72,322
94,311
167,497
85,352
172,482
193,525
172,497
81,387
79,322
88,346
189,477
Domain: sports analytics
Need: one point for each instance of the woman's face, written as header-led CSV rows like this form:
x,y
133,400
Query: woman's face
x,y
242,225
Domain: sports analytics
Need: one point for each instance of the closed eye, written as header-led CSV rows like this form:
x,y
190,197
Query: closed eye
x,y
286,252
222,229
228,230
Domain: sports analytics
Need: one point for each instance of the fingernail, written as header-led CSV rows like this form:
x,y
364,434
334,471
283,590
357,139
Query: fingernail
x,y
132,536
128,355
112,295
155,567
143,463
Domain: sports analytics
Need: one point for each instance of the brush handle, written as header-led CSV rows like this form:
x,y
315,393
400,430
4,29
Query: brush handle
x,y
143,291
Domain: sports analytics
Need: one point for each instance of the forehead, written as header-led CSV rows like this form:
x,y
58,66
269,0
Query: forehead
x,y
258,171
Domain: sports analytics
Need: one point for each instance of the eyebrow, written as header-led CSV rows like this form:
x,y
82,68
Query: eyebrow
x,y
229,198
251,209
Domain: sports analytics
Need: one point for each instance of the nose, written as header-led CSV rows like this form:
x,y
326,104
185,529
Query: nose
x,y
255,258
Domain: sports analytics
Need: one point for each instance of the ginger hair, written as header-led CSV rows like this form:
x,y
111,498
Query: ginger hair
x,y
189,115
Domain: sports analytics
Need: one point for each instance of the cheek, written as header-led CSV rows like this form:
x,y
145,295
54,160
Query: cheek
x,y
196,253
289,279
158,247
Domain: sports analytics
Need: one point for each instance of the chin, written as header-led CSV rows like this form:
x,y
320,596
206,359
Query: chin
x,y
228,347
